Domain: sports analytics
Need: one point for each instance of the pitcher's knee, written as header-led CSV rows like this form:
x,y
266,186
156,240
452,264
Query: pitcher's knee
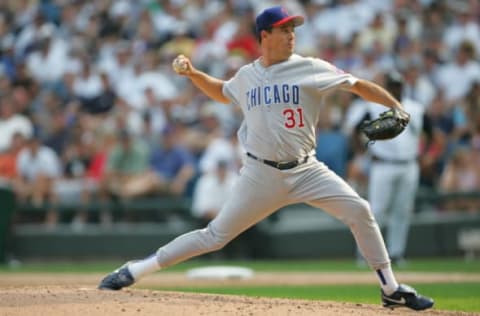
x,y
215,240
360,212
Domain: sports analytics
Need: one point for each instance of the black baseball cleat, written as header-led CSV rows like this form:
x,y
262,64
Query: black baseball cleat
x,y
406,296
117,280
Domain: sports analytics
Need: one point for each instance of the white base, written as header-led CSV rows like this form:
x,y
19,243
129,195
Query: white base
x,y
220,273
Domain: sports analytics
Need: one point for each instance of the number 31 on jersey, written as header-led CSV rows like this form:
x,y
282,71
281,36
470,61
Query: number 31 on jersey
x,y
293,117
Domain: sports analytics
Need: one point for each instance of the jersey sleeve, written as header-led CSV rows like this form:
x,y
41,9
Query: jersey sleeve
x,y
329,76
230,89
233,86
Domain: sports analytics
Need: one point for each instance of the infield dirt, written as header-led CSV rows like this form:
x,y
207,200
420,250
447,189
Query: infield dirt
x,y
32,294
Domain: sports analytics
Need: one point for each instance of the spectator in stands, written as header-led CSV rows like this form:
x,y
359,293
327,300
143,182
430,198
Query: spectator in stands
x,y
222,148
59,132
457,76
104,101
417,86
38,168
244,42
434,25
464,27
12,122
102,144
432,158
441,115
461,175
32,28
47,62
332,144
127,162
171,169
380,32
430,66
74,187
472,103
211,192
88,85
150,119
115,56
8,162
206,129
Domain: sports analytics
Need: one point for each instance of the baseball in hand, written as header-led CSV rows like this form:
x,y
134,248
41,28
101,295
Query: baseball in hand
x,y
179,64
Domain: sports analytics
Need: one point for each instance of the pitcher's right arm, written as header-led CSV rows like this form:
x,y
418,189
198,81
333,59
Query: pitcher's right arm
x,y
209,85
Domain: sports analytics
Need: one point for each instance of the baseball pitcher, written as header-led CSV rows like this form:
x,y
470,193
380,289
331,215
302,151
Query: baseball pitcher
x,y
279,95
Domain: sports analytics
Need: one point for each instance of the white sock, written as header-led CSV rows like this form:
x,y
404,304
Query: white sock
x,y
387,280
140,268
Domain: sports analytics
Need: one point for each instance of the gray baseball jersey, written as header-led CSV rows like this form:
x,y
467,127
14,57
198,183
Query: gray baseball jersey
x,y
281,104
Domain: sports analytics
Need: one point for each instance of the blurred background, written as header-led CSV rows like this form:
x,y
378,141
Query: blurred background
x,y
105,152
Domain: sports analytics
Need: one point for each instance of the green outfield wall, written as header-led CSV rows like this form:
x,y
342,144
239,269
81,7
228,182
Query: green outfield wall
x,y
7,207
292,235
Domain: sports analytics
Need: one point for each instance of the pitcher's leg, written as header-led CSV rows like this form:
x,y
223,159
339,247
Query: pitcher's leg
x,y
258,192
332,194
239,213
251,202
355,213
324,189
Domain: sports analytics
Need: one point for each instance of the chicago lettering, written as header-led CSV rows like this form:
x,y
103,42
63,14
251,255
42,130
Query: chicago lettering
x,y
274,94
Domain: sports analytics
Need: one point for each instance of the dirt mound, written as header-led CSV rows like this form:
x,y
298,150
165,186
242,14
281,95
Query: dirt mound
x,y
76,295
82,301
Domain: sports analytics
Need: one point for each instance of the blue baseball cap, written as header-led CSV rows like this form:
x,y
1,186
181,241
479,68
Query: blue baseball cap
x,y
276,16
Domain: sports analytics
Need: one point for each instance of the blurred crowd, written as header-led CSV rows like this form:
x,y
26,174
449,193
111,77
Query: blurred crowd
x,y
91,109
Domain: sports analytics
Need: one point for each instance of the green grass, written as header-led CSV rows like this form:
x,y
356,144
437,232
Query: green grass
x,y
448,296
417,265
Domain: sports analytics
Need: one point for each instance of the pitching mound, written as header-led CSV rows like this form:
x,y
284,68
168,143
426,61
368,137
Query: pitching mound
x,y
81,301
76,295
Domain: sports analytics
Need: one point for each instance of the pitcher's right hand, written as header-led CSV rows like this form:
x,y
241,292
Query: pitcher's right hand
x,y
182,65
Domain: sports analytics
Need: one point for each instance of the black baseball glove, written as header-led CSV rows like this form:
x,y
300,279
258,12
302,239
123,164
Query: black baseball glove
x,y
387,126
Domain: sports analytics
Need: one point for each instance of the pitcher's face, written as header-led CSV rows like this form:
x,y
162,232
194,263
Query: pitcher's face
x,y
281,41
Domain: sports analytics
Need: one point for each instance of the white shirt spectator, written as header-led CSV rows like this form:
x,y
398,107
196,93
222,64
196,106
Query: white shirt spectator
x,y
136,123
455,79
162,86
355,17
29,34
127,86
166,23
382,30
87,85
17,123
49,67
115,60
459,32
418,87
210,194
219,149
45,162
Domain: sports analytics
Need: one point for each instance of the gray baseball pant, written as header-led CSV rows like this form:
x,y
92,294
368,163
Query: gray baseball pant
x,y
261,190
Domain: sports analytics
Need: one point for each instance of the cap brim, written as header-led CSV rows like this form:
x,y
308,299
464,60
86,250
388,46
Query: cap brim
x,y
297,20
